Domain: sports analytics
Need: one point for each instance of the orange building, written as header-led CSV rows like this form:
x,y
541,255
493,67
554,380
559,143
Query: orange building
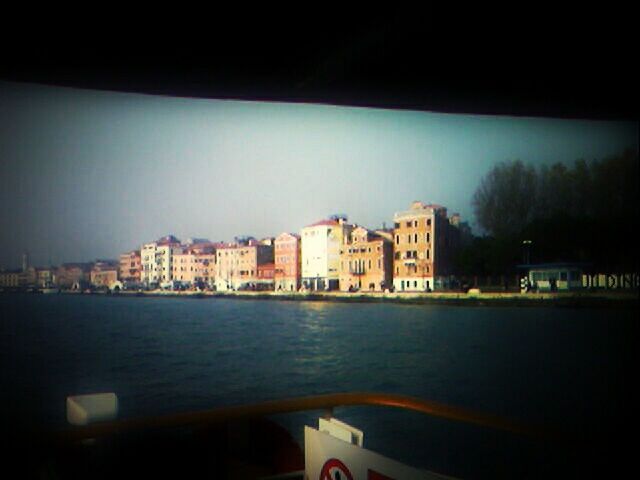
x,y
237,264
104,273
69,275
130,267
266,274
287,262
422,248
366,261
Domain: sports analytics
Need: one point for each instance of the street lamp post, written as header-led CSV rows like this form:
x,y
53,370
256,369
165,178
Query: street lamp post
x,y
527,251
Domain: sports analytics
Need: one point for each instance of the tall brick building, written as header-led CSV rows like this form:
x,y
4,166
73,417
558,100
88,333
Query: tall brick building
x,y
424,241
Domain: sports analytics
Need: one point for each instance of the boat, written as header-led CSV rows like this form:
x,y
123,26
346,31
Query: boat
x,y
239,441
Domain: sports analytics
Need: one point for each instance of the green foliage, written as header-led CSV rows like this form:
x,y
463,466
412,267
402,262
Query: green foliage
x,y
587,212
504,201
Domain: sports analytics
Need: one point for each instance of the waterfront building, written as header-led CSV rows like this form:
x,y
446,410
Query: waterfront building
x,y
45,276
266,274
195,265
10,278
288,259
74,275
320,245
423,244
157,260
237,263
28,277
366,261
104,273
552,277
130,267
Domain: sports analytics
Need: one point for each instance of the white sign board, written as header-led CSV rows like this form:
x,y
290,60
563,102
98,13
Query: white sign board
x,y
328,458
96,407
341,430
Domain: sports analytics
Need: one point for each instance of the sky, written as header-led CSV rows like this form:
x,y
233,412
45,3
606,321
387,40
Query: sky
x,y
91,174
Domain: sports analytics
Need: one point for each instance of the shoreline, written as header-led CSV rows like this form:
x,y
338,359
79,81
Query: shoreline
x,y
589,299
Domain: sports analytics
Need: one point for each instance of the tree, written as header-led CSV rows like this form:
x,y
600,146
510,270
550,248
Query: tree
x,y
505,200
587,212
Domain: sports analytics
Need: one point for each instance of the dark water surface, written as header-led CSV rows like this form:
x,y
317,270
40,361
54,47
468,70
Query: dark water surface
x,y
573,369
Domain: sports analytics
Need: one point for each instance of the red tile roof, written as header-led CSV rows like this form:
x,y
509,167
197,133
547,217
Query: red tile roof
x,y
324,222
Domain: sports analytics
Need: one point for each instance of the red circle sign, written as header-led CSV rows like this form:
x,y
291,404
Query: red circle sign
x,y
334,469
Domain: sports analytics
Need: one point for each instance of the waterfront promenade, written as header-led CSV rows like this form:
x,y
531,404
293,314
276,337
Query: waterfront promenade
x,y
471,298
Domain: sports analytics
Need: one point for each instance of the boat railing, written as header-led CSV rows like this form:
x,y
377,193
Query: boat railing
x,y
324,403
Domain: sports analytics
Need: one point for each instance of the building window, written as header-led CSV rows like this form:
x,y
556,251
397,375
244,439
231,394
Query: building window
x,y
409,238
408,224
427,254
415,238
397,239
428,237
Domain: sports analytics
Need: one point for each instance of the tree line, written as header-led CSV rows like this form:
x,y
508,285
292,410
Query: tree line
x,y
586,212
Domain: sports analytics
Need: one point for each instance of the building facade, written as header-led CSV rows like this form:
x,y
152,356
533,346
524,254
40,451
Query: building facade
x,y
237,264
321,243
74,275
287,259
104,273
421,254
157,261
45,276
130,267
10,278
266,276
366,261
195,265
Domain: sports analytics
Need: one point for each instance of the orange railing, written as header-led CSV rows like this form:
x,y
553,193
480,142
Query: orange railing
x,y
318,402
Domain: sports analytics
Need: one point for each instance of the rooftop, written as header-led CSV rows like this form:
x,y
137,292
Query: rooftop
x,y
323,222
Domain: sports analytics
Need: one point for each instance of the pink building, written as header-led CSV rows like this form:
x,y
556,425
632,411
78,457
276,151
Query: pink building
x,y
195,265
287,262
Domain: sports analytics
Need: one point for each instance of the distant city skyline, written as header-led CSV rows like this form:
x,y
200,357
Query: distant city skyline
x,y
90,174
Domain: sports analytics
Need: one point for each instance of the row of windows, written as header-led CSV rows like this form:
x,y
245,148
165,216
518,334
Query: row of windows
x,y
361,250
412,269
358,266
414,237
412,223
412,254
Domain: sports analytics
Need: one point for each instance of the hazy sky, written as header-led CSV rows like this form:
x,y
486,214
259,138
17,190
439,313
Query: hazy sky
x,y
87,174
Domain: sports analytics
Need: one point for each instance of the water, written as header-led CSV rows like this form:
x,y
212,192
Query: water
x,y
568,368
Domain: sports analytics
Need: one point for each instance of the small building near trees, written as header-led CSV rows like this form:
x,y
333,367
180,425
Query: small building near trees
x,y
552,277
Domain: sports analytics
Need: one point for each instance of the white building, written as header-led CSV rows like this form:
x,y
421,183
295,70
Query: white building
x,y
320,245
157,260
